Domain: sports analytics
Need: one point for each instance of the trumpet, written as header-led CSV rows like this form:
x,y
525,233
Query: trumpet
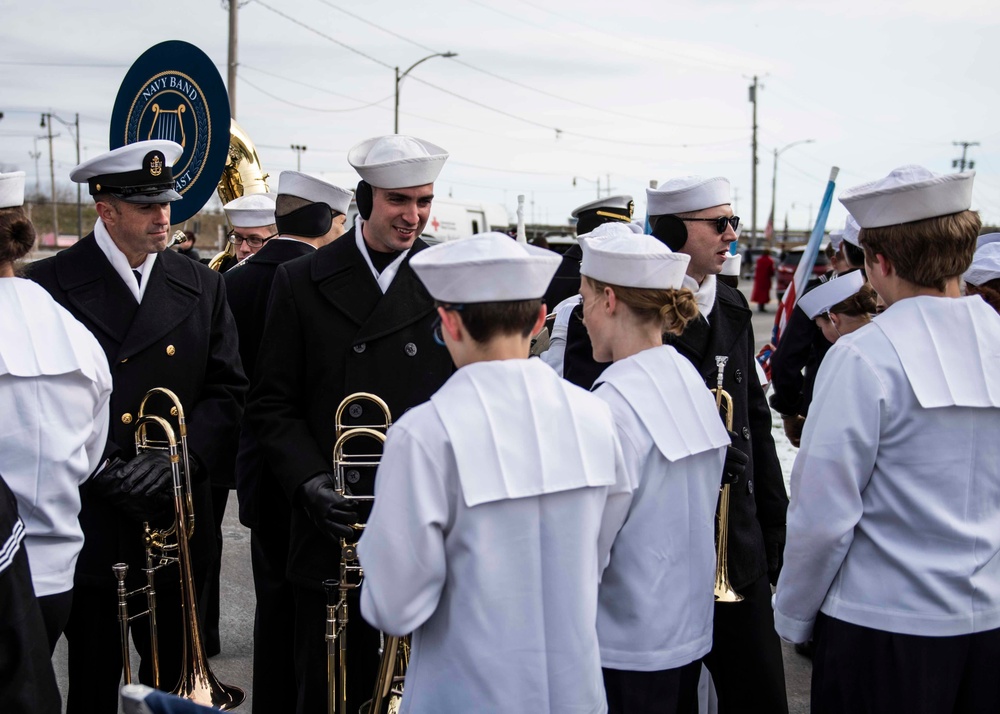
x,y
165,547
350,573
724,591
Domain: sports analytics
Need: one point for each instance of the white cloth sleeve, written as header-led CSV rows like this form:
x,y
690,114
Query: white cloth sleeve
x,y
834,464
619,501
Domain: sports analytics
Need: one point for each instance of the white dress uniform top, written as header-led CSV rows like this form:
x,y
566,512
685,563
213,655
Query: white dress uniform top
x,y
922,442
656,598
55,388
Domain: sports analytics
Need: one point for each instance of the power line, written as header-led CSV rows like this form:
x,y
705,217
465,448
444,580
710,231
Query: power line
x,y
64,64
302,106
313,86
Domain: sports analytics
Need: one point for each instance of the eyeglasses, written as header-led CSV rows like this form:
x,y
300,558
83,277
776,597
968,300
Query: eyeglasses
x,y
436,327
253,241
720,223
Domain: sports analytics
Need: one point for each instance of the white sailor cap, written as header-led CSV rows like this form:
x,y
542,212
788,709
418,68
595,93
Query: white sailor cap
x,y
614,254
986,238
731,266
251,211
852,231
295,183
488,267
910,193
12,189
836,238
136,173
985,264
688,193
397,161
824,296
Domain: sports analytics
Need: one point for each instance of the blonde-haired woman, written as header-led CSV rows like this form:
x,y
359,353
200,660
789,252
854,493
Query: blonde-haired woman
x,y
656,598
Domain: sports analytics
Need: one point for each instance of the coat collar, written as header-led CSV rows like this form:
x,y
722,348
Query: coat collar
x,y
171,295
728,320
276,251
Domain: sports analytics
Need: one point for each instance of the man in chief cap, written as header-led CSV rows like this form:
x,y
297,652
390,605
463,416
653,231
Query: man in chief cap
x,y
350,317
309,213
162,321
693,215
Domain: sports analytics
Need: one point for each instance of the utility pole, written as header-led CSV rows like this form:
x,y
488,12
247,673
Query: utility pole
x,y
36,154
52,174
736,200
231,75
961,163
753,191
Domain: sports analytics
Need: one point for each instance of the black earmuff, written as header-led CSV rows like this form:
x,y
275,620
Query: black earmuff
x,y
310,221
671,231
363,196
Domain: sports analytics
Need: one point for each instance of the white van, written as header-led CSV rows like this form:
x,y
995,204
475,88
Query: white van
x,y
451,220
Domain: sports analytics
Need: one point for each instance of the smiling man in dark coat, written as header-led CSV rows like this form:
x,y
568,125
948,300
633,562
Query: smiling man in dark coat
x,y
162,321
693,215
350,317
309,214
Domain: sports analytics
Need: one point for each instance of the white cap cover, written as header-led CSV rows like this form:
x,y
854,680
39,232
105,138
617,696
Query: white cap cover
x,y
732,265
12,189
987,238
488,267
985,264
251,211
138,173
615,255
852,231
909,193
397,161
688,193
826,295
295,183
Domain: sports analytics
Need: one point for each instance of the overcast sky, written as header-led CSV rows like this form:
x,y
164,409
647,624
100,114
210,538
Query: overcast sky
x,y
639,90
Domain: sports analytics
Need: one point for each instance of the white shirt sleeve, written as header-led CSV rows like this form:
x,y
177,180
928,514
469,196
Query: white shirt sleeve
x,y
98,438
402,550
834,464
617,506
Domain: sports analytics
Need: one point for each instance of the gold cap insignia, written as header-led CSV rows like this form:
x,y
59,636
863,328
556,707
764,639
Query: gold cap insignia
x,y
156,166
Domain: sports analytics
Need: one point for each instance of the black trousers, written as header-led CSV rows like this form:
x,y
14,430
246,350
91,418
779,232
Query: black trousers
x,y
55,613
274,618
311,657
860,670
669,691
208,599
745,660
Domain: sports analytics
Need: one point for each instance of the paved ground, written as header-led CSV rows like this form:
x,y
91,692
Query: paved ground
x,y
233,665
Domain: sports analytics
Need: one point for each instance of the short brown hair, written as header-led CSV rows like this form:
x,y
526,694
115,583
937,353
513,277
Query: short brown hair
x,y
486,320
929,252
988,291
673,309
17,235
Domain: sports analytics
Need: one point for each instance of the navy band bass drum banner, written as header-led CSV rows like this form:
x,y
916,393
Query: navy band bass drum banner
x,y
174,92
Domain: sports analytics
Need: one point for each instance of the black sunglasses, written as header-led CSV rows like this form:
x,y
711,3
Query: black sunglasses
x,y
436,327
720,223
253,242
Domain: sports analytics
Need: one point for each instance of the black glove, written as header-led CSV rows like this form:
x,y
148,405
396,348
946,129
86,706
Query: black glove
x,y
330,512
142,487
735,465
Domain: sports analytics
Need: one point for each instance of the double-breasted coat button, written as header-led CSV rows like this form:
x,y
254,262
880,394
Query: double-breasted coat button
x,y
746,433
126,418
739,376
171,351
750,487
360,348
410,349
355,410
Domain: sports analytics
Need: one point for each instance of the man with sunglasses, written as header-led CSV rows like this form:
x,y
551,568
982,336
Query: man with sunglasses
x,y
694,215
350,317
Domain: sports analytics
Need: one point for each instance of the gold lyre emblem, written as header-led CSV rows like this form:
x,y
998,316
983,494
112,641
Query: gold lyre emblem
x,y
156,166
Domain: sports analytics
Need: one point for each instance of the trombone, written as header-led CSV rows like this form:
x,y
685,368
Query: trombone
x,y
350,573
724,591
165,547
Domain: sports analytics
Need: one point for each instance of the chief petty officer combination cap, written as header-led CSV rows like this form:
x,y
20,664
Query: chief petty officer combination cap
x,y
688,193
908,194
251,211
488,267
397,161
613,254
592,214
310,188
12,189
135,173
824,296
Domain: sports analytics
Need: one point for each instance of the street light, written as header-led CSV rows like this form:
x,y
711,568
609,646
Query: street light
x,y
399,78
774,175
298,149
75,129
582,178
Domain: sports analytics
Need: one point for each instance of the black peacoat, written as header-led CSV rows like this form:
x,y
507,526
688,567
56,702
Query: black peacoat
x,y
757,504
182,337
248,287
331,332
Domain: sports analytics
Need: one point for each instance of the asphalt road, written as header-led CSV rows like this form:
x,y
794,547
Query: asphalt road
x,y
233,665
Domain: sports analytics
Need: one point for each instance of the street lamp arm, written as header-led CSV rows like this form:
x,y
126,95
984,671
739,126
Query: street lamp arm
x,y
794,143
420,61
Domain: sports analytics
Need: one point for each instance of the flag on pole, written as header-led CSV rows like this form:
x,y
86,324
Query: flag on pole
x,y
805,267
769,229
